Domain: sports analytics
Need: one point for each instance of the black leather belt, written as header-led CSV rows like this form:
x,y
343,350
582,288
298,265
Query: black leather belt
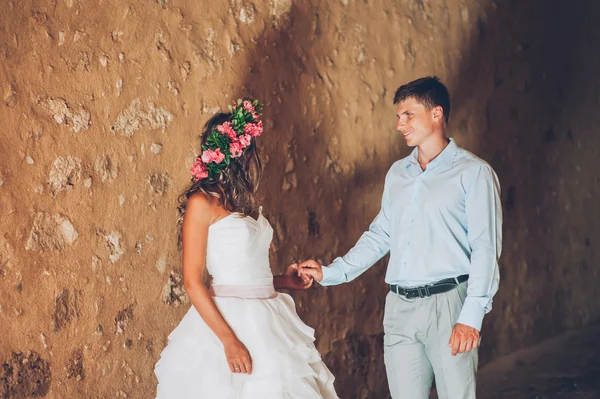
x,y
431,289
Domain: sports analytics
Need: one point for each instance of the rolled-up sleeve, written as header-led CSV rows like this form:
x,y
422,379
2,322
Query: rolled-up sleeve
x,y
484,230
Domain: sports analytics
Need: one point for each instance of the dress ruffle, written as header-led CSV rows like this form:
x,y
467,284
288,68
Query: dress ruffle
x,y
285,362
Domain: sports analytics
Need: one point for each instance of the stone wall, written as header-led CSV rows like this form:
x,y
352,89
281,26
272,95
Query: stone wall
x,y
102,106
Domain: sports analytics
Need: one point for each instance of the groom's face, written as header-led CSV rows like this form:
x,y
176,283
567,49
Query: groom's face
x,y
415,122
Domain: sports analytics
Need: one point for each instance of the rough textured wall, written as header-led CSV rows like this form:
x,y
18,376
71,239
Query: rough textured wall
x,y
102,105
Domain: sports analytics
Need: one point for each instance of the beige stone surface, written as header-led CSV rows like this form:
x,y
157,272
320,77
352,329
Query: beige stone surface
x,y
102,105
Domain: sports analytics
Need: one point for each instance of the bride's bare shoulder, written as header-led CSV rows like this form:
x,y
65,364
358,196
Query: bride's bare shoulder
x,y
200,206
200,199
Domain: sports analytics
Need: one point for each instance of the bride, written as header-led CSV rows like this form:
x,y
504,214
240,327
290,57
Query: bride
x,y
241,339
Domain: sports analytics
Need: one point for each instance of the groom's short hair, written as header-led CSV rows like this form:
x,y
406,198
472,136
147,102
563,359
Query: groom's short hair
x,y
429,91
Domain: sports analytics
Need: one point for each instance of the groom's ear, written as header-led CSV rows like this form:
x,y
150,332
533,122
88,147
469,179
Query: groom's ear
x,y
438,113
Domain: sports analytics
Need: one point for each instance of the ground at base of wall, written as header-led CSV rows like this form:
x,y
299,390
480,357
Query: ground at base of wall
x,y
567,366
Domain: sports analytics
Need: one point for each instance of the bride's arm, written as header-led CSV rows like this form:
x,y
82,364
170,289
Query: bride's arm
x,y
198,216
291,280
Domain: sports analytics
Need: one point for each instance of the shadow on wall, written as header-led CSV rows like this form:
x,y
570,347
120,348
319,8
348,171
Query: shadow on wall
x,y
519,101
300,115
520,98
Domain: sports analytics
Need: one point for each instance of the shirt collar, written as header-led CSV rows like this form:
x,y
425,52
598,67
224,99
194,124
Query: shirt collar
x,y
413,158
446,156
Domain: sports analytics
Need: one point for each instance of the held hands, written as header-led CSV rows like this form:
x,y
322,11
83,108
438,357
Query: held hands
x,y
296,281
463,339
311,269
238,356
301,276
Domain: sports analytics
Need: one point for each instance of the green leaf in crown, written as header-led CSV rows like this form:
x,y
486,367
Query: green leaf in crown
x,y
230,139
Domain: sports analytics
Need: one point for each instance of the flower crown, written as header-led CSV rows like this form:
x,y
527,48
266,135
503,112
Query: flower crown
x,y
230,139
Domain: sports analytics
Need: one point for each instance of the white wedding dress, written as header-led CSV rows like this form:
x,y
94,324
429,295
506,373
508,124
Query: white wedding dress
x,y
285,362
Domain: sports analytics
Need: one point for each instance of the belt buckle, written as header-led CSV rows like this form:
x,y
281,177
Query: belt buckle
x,y
399,292
423,291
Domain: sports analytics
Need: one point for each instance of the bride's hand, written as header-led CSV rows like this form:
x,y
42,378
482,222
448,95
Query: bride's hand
x,y
296,281
238,357
311,269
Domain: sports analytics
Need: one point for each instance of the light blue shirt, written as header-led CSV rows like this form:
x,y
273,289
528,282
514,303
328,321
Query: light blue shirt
x,y
439,223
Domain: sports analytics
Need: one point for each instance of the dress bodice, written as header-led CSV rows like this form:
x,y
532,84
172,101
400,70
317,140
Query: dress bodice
x,y
238,251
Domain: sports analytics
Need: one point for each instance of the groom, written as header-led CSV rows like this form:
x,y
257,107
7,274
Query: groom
x,y
441,221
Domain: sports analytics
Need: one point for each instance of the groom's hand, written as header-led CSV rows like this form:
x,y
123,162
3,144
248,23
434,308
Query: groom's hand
x,y
295,281
463,339
311,268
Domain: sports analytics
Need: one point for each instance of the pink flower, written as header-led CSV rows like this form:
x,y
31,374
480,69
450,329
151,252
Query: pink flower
x,y
244,140
236,149
256,116
215,156
254,129
199,170
248,106
226,129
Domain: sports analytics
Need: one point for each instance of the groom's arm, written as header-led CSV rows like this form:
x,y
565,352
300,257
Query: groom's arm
x,y
484,229
373,245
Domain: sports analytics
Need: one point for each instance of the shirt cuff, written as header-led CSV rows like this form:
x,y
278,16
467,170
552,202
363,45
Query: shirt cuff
x,y
330,276
471,314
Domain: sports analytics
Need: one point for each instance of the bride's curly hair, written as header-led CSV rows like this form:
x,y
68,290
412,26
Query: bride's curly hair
x,y
235,186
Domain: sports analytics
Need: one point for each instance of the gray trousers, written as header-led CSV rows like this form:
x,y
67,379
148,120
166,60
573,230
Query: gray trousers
x,y
416,348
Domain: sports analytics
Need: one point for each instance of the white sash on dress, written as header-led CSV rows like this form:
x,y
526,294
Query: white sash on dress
x,y
244,291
